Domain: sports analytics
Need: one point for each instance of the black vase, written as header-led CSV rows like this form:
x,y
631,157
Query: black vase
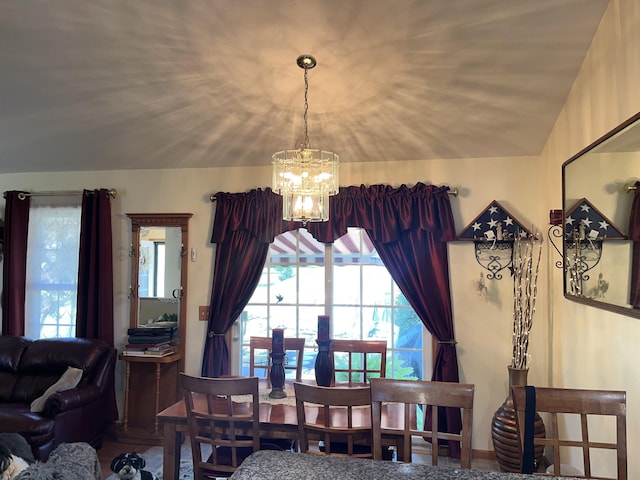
x,y
324,363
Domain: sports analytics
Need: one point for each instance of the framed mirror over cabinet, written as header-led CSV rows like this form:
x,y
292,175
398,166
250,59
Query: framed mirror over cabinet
x,y
601,222
158,288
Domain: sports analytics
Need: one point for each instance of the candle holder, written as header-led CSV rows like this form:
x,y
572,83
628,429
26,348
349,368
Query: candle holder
x,y
277,375
324,363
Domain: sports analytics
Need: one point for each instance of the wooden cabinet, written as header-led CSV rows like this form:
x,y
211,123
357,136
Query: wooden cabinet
x,y
151,385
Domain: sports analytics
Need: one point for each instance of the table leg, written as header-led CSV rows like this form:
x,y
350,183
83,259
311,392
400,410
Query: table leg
x,y
171,452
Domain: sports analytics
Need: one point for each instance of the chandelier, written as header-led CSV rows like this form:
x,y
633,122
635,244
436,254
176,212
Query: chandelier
x,y
305,177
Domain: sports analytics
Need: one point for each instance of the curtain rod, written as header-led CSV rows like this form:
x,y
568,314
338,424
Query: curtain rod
x,y
452,191
629,186
113,193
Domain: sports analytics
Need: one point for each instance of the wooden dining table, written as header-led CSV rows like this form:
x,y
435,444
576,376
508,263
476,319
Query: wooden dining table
x,y
278,419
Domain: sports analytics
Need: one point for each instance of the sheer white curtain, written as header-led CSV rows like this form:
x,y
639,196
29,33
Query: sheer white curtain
x,y
52,266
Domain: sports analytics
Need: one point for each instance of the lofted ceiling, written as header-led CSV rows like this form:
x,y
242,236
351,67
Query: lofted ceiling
x,y
120,84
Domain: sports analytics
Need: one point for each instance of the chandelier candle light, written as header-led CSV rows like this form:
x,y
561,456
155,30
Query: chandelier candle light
x,y
305,177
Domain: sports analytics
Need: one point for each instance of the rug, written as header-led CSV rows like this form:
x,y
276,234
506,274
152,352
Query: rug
x,y
153,460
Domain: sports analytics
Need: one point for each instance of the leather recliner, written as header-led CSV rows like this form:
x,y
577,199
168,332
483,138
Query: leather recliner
x,y
82,414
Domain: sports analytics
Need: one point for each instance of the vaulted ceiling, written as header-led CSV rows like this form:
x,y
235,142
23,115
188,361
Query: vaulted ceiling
x,y
119,84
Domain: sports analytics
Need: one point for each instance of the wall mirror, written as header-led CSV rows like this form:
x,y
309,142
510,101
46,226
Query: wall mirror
x,y
158,288
598,263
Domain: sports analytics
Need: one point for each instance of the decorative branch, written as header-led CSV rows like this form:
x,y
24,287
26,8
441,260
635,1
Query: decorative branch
x,y
525,265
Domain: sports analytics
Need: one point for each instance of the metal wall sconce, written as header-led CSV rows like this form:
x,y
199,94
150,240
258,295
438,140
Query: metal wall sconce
x,y
555,231
493,232
585,230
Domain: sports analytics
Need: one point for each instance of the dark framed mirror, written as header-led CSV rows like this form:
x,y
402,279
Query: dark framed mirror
x,y
598,190
158,288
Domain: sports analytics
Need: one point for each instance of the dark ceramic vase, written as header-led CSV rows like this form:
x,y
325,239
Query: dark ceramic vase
x,y
324,364
276,375
504,430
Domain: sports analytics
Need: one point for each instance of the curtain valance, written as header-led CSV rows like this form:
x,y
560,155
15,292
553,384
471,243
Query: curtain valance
x,y
384,211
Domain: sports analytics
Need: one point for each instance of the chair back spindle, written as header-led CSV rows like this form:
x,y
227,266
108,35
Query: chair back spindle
x,y
560,404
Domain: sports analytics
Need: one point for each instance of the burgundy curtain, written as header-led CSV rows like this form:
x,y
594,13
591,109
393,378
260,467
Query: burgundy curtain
x,y
634,236
94,317
16,225
245,225
409,228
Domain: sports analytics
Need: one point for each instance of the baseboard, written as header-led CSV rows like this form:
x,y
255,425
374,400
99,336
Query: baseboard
x,y
420,446
483,454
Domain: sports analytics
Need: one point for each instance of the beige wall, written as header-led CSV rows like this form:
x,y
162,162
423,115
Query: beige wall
x,y
592,348
483,328
571,345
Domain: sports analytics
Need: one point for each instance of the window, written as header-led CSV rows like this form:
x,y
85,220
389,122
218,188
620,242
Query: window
x,y
151,270
303,278
52,267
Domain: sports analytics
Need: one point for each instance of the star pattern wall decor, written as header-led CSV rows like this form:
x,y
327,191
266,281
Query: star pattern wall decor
x,y
493,233
494,223
586,222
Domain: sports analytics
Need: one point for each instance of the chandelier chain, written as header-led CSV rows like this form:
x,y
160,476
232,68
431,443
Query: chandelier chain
x,y
306,109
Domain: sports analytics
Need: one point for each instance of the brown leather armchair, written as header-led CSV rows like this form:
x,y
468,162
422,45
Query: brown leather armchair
x,y
81,414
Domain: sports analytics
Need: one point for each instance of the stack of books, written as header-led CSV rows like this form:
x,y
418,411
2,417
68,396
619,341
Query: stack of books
x,y
151,341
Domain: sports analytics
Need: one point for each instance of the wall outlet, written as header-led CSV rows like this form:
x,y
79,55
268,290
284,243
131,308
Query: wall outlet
x,y
203,313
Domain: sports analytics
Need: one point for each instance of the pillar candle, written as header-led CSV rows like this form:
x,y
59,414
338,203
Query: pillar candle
x,y
277,340
323,327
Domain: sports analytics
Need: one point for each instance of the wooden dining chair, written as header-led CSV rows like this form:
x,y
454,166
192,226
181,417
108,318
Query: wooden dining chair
x,y
365,359
229,431
343,425
564,406
291,344
415,395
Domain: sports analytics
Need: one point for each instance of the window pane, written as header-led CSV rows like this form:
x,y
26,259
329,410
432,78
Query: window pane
x,y
254,322
52,267
308,324
261,292
376,285
346,284
345,322
283,316
366,303
376,324
282,285
311,285
407,365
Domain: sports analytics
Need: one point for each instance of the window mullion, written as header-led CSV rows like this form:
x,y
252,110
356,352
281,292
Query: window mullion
x,y
328,280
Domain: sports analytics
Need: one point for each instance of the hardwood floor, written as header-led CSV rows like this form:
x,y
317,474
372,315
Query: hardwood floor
x,y
111,448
